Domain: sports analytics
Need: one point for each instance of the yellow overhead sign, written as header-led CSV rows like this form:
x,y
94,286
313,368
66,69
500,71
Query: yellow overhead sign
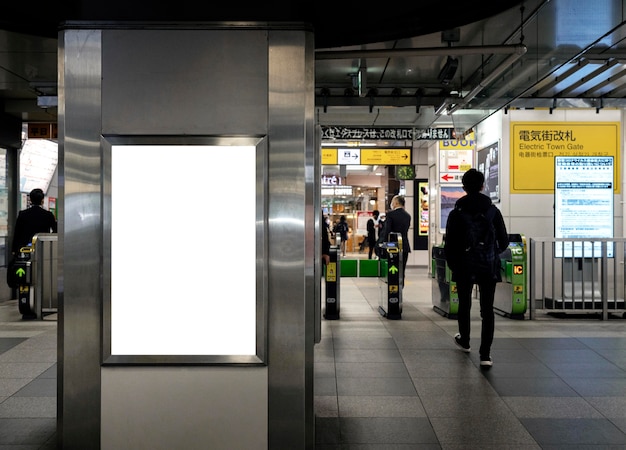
x,y
535,144
386,156
367,156
329,156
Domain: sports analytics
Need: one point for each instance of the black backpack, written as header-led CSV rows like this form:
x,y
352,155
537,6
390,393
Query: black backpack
x,y
479,256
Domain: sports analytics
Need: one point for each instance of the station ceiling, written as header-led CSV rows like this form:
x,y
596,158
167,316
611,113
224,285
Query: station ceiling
x,y
421,64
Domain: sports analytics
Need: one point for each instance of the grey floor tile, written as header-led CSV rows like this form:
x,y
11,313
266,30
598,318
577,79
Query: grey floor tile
x,y
364,342
598,387
7,343
611,407
454,387
380,406
383,430
373,369
324,369
533,369
19,407
22,370
552,407
600,369
326,406
446,406
376,386
373,355
532,387
39,387
455,369
473,430
325,386
590,432
27,431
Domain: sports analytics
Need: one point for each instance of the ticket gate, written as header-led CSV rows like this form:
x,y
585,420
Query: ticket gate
x,y
444,294
391,277
332,280
510,299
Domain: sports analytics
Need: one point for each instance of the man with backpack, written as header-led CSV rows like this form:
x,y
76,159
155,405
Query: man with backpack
x,y
475,237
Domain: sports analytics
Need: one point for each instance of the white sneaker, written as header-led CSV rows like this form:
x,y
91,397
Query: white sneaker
x,y
457,341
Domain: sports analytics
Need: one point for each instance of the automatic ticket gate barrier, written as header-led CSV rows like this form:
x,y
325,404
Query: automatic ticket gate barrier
x,y
391,276
21,277
332,279
510,299
35,274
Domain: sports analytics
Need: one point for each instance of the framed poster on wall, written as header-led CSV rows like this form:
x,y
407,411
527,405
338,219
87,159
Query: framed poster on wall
x,y
449,196
487,159
422,210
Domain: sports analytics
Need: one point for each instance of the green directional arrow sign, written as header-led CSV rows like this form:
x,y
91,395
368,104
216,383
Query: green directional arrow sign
x,y
393,269
20,272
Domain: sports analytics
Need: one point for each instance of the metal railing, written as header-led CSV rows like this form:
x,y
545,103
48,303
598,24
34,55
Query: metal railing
x,y
44,275
577,276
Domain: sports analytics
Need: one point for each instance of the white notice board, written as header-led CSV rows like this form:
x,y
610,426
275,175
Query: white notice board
x,y
583,204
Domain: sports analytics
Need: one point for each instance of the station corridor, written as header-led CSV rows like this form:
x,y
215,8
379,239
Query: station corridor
x,y
556,382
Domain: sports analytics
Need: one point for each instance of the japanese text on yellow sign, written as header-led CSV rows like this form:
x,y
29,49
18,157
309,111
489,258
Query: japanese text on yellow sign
x,y
370,156
534,146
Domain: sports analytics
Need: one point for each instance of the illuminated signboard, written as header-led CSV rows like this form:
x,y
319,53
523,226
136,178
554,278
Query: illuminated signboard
x,y
583,204
366,156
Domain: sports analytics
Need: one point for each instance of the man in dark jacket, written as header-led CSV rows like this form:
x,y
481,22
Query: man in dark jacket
x,y
31,221
464,274
372,223
398,221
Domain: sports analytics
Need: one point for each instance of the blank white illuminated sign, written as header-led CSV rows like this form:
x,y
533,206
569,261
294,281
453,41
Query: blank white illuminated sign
x,y
183,241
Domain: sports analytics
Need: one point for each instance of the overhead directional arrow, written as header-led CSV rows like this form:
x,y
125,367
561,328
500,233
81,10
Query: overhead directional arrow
x,y
447,177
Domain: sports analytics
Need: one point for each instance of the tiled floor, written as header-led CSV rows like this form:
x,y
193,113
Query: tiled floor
x,y
28,377
556,383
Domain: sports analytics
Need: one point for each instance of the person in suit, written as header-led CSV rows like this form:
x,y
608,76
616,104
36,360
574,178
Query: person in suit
x,y
31,221
398,221
372,224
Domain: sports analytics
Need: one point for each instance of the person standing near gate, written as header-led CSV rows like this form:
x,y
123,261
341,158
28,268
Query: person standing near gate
x,y
341,230
398,221
372,224
31,221
475,237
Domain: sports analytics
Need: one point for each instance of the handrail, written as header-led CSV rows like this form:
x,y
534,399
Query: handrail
x,y
575,275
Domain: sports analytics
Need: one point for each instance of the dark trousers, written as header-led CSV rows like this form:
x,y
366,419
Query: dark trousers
x,y
371,242
487,289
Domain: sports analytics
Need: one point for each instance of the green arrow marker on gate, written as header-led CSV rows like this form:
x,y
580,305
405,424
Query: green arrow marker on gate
x,y
20,272
393,269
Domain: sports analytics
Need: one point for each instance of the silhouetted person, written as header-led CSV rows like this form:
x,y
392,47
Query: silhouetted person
x,y
31,221
372,224
466,269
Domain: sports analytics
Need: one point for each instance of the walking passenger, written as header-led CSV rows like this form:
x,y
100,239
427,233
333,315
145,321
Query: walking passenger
x,y
475,236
